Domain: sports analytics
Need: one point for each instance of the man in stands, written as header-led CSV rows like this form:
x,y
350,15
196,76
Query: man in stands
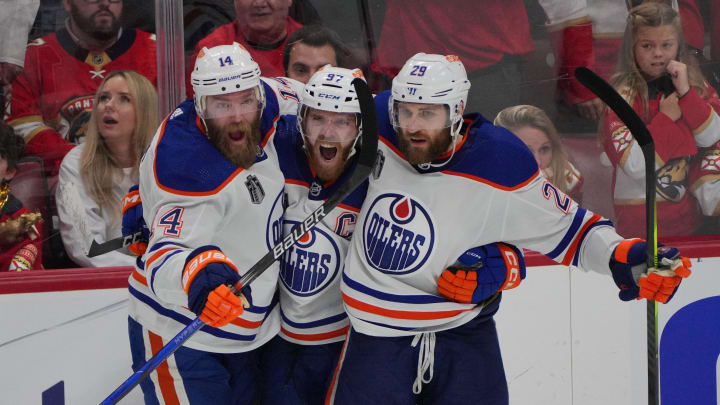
x,y
53,97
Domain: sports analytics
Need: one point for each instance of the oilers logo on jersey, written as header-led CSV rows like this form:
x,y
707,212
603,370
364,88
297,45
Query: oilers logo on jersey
x,y
398,234
273,233
311,264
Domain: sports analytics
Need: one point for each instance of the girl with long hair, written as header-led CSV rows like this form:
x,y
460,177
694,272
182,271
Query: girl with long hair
x,y
538,132
679,107
95,176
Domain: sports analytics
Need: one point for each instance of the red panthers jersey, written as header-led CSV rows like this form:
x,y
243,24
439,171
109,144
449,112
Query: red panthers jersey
x,y
53,97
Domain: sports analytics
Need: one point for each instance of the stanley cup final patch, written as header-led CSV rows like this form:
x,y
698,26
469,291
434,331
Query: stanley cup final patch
x,y
379,162
257,194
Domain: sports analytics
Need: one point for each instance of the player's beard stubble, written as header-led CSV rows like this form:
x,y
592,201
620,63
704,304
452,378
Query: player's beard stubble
x,y
436,145
242,155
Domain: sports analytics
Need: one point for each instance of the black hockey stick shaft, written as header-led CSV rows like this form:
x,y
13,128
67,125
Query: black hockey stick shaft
x,y
97,249
365,162
639,131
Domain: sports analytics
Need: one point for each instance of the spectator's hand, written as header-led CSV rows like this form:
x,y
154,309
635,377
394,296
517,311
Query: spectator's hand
x,y
631,274
591,109
679,75
8,71
547,172
669,106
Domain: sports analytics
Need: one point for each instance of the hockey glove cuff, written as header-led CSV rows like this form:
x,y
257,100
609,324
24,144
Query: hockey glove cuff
x,y
207,275
636,281
133,221
482,271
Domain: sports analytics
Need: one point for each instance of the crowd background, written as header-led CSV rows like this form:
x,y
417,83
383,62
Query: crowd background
x,y
516,52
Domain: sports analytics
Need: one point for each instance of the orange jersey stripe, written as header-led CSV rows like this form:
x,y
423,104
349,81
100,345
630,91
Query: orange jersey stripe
x,y
314,337
165,380
244,323
573,248
155,256
349,208
393,313
490,183
139,278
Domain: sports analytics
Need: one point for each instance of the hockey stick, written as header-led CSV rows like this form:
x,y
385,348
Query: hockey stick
x,y
365,162
97,249
641,134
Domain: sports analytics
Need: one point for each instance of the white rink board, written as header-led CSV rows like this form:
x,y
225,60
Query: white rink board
x,y
80,338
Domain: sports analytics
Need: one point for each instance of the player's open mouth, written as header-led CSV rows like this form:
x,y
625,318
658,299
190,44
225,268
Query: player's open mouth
x,y
236,136
109,121
418,141
328,152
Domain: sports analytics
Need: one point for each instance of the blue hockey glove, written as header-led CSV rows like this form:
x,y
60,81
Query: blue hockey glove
x,y
631,274
133,221
482,271
206,277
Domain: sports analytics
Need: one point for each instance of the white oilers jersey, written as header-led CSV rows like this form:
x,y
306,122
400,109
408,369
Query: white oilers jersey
x,y
310,302
416,221
194,197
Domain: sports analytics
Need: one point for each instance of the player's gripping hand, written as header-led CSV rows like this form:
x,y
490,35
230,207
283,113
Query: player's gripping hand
x,y
482,271
206,277
636,281
133,221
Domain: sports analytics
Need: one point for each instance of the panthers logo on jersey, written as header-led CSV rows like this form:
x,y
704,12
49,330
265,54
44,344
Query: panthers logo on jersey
x,y
311,264
672,179
398,234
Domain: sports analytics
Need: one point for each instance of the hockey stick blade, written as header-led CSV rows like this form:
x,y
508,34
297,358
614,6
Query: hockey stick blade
x,y
97,249
364,166
639,131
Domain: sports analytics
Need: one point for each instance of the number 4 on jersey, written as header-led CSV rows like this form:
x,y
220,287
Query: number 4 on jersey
x,y
171,222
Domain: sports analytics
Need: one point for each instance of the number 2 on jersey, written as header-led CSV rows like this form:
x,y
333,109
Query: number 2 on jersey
x,y
171,222
562,202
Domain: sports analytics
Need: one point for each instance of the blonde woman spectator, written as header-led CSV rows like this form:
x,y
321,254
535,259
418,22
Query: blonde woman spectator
x,y
537,131
95,176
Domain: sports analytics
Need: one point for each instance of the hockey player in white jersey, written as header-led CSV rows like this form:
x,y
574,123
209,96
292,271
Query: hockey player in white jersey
x,y
212,192
316,159
448,183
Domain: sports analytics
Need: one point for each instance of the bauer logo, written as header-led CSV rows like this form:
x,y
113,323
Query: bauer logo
x,y
398,234
311,264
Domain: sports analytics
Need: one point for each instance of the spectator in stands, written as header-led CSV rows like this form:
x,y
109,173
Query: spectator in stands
x,y
95,176
537,131
490,42
20,228
15,24
680,110
53,96
262,27
310,48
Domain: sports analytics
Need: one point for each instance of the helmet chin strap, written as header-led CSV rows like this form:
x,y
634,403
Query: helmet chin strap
x,y
454,134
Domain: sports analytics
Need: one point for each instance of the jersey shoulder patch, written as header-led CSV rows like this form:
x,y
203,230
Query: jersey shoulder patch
x,y
495,156
186,162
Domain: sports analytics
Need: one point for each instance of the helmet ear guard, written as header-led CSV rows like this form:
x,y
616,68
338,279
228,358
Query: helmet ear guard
x,y
224,69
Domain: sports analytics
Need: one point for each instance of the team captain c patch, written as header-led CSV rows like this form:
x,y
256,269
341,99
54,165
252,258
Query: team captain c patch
x,y
398,234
